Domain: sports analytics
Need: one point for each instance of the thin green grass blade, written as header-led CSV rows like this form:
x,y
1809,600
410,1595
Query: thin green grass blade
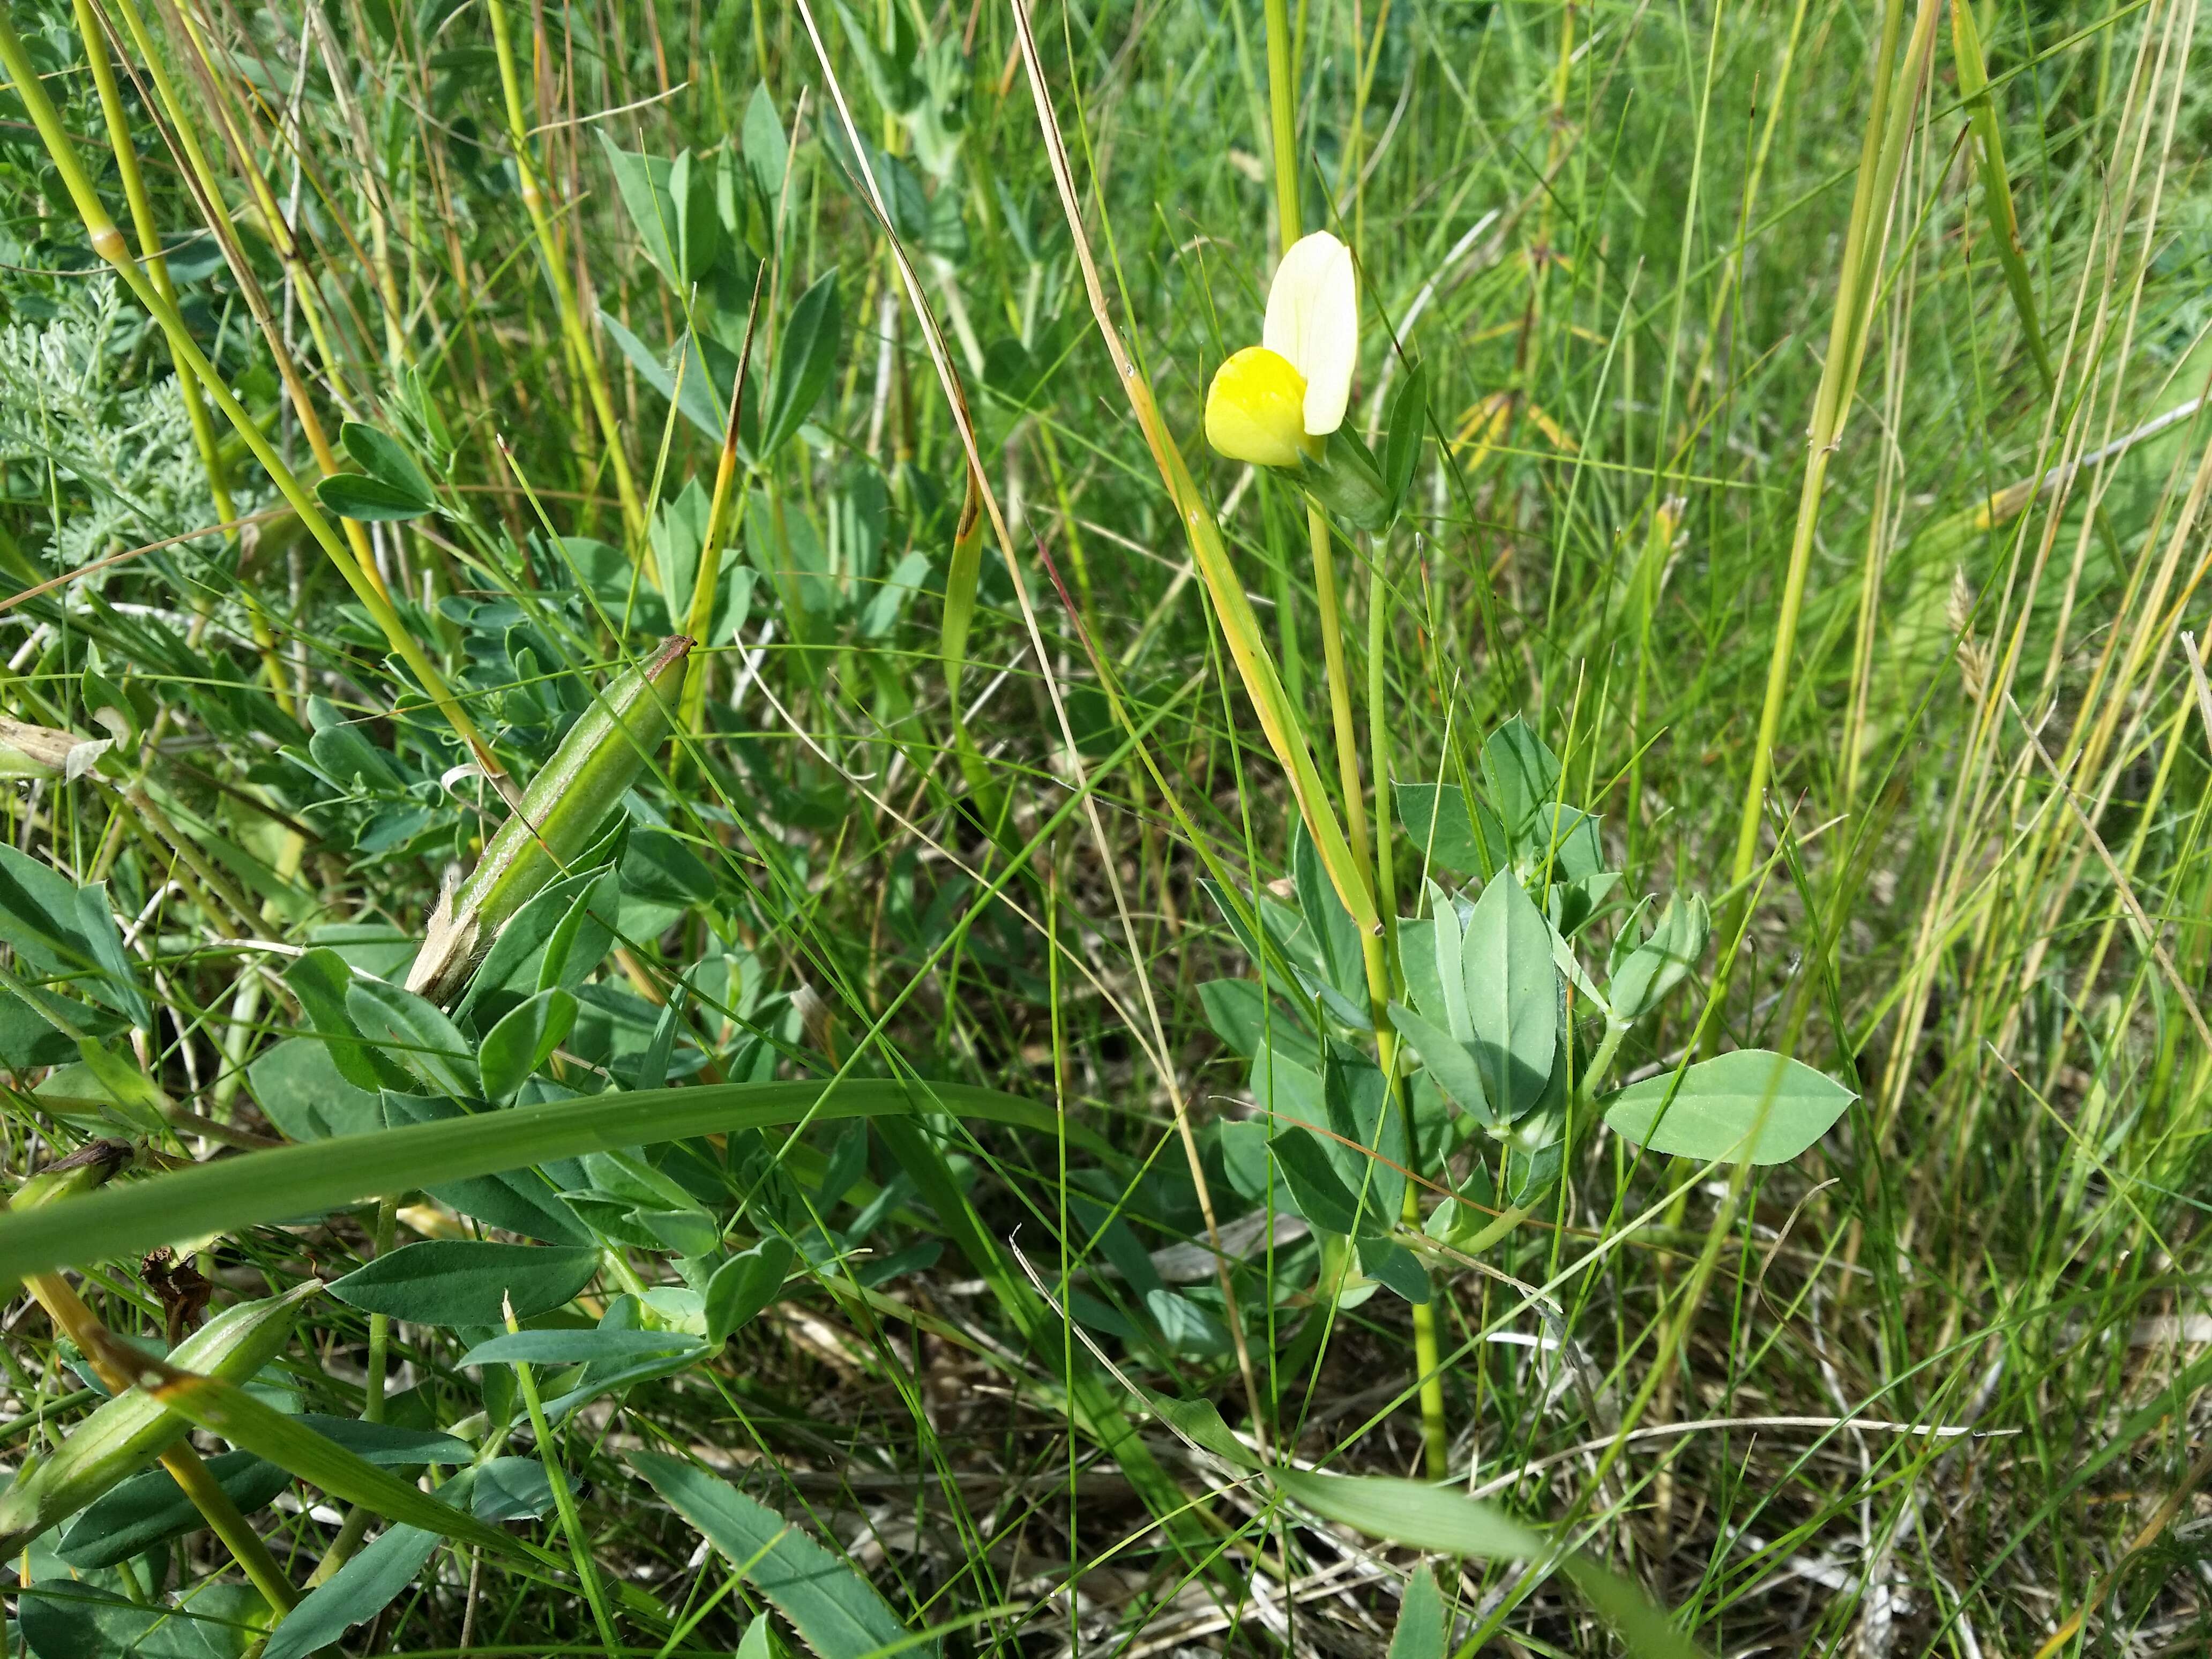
x,y
1451,1523
129,1218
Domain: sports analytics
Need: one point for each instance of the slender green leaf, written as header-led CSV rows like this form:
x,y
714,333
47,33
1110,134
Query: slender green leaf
x,y
355,1593
151,1507
128,1218
1420,1632
356,496
464,1281
1512,996
576,1347
835,1610
381,457
806,358
744,1285
522,1041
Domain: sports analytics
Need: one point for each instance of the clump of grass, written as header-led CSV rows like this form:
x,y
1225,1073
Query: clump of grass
x,y
934,1158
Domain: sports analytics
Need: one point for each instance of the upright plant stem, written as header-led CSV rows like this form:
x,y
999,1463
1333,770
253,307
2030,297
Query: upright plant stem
x,y
564,289
204,180
1435,1441
1889,123
1372,863
83,1327
149,243
157,272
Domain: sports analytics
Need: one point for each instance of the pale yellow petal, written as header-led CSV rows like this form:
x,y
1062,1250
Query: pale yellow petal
x,y
1313,321
1255,409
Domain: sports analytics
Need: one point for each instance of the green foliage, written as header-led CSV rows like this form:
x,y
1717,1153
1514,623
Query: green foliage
x,y
880,1050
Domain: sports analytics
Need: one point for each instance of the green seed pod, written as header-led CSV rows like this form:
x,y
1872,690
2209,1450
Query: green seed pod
x,y
132,1430
602,755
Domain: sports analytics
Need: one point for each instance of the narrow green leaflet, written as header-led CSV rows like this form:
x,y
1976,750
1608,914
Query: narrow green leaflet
x,y
576,1347
504,1489
1450,1062
1450,1522
381,456
1512,996
465,1281
128,1218
744,1285
1421,1632
65,1620
1641,977
388,1443
836,1611
151,1507
63,931
521,1041
356,496
805,359
1752,1105
768,152
354,1594
1319,1192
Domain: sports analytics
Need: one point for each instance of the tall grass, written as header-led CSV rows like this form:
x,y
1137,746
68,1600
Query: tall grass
x,y
1814,462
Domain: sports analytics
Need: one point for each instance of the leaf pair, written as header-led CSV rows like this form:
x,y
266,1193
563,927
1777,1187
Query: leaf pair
x,y
805,359
1488,1027
391,486
671,206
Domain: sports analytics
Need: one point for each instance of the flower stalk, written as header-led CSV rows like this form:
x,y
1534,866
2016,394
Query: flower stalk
x,y
1312,328
582,346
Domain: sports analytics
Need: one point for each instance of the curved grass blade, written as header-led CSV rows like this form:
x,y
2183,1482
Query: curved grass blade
x,y
128,1218
1451,1523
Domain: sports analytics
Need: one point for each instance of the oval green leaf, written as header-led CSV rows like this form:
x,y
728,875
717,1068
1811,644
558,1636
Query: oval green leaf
x,y
1753,1105
357,496
464,1281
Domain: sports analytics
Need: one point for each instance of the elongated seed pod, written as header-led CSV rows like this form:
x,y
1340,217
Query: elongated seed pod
x,y
131,1430
600,759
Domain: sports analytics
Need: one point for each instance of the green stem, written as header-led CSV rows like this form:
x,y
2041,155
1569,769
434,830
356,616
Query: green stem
x,y
564,1500
355,1525
107,241
565,290
228,1524
1282,76
1888,126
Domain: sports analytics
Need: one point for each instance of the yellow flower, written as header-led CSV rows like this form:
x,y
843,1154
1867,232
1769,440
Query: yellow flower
x,y
1270,404
1255,409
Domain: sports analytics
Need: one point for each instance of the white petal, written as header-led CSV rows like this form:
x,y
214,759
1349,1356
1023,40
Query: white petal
x,y
1313,319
